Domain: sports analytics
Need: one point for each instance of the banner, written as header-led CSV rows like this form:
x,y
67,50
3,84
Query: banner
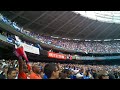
x,y
56,55
31,49
27,48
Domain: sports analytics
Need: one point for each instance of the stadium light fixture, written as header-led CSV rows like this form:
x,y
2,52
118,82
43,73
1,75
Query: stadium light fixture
x,y
76,39
116,39
107,40
97,40
87,40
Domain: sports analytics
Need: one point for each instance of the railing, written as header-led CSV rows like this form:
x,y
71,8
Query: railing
x,y
96,58
3,38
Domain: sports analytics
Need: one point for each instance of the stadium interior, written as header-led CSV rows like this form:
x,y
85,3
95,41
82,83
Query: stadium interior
x,y
65,37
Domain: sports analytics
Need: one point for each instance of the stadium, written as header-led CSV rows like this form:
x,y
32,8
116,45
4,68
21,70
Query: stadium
x,y
59,45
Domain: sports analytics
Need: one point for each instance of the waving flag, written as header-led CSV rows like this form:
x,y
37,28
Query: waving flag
x,y
19,50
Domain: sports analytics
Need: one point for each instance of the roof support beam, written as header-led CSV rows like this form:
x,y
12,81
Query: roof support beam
x,y
117,28
85,28
64,24
28,24
117,36
103,31
53,21
29,20
74,27
16,15
93,30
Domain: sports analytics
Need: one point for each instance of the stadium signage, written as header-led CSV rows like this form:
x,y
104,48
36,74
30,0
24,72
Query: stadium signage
x,y
56,55
31,49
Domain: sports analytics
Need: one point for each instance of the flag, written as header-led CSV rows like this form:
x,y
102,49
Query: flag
x,y
38,45
70,57
9,39
19,52
17,39
18,42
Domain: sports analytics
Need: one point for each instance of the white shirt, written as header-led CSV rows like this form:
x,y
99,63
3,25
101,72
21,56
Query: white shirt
x,y
79,75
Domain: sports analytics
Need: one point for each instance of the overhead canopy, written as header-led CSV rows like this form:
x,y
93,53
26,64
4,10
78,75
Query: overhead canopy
x,y
65,24
103,16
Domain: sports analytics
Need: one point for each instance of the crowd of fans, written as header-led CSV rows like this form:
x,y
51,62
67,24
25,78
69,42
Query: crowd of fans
x,y
83,46
18,69
80,46
11,39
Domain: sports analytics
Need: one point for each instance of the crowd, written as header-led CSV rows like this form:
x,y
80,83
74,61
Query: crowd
x,y
18,69
11,39
83,46
80,46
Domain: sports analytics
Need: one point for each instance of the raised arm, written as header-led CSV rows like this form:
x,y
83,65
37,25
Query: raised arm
x,y
20,62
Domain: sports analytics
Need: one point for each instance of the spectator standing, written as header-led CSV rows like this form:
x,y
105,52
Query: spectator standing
x,y
11,73
35,72
51,71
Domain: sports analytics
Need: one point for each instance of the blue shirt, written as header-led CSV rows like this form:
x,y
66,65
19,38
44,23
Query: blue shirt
x,y
72,77
86,77
45,77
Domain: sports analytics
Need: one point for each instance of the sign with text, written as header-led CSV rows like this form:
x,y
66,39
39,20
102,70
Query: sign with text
x,y
31,49
56,55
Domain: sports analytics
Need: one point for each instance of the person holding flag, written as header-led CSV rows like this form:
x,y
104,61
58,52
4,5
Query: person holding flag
x,y
19,49
24,68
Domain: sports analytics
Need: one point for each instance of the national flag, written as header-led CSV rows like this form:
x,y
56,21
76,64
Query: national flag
x,y
70,57
20,52
39,46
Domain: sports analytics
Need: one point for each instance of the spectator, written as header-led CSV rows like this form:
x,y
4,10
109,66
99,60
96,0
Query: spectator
x,y
87,75
94,74
66,71
35,72
5,71
24,69
79,46
51,71
65,74
2,76
111,76
11,73
103,75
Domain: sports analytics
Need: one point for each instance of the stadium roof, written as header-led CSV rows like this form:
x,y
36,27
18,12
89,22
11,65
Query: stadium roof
x,y
68,24
103,16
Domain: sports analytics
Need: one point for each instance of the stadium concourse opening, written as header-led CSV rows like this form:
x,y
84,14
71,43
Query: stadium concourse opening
x,y
59,45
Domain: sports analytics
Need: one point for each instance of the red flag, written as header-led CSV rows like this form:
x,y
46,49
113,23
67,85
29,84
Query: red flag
x,y
20,52
70,57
